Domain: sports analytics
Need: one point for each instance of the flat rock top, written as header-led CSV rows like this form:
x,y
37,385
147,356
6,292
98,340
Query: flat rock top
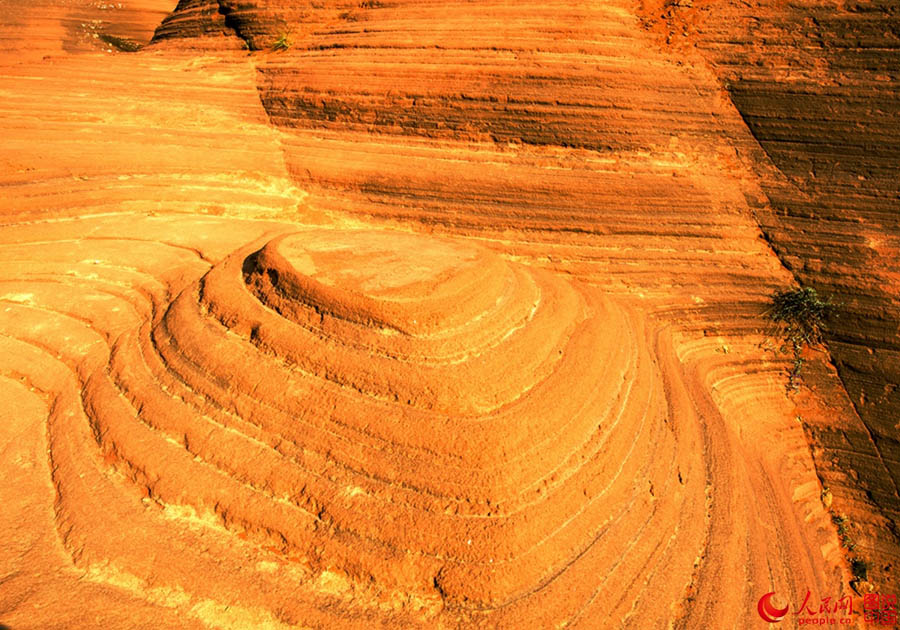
x,y
385,265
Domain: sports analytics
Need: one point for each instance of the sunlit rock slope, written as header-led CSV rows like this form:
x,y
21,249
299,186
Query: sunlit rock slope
x,y
414,314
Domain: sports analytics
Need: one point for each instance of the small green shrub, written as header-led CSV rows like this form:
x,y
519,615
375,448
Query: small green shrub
x,y
282,43
801,315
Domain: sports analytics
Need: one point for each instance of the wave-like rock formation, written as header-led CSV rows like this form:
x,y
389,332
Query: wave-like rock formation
x,y
448,315
305,432
458,128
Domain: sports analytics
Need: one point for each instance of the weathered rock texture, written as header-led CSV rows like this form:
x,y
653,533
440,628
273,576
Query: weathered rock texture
x,y
495,85
474,338
822,97
31,30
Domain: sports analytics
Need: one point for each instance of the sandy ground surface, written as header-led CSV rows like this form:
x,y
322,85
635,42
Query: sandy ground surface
x,y
450,315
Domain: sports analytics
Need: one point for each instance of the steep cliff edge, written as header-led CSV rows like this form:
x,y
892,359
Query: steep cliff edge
x,y
818,84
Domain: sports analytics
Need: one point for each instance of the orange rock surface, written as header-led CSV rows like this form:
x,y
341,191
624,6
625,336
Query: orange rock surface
x,y
435,315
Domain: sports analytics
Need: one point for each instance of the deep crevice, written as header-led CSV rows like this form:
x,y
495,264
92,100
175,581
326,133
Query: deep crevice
x,y
230,23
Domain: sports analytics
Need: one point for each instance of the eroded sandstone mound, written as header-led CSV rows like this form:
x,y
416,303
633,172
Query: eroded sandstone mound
x,y
779,127
303,431
477,340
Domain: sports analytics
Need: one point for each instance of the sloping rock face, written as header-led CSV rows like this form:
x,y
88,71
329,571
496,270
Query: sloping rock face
x,y
258,24
542,117
192,19
448,315
818,85
819,97
260,426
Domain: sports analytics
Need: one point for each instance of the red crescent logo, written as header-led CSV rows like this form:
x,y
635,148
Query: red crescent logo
x,y
767,611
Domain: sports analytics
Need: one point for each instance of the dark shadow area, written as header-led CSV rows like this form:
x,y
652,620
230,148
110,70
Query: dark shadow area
x,y
248,267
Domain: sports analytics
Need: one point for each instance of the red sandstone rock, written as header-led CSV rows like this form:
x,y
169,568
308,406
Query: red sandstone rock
x,y
448,315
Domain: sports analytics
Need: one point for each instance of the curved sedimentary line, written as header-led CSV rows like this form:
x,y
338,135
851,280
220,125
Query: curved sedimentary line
x,y
429,359
543,510
594,539
317,334
62,401
274,408
601,445
535,547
